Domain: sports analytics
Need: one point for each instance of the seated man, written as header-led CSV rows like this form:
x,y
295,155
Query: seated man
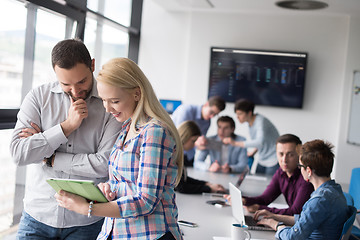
x,y
224,157
287,180
201,115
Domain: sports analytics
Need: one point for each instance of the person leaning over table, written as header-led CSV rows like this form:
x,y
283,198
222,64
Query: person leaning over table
x,y
189,132
145,164
263,135
325,213
287,180
62,131
202,115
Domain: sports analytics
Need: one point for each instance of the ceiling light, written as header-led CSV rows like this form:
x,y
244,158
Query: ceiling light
x,y
302,4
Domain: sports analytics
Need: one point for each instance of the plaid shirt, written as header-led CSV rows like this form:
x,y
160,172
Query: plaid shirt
x,y
142,172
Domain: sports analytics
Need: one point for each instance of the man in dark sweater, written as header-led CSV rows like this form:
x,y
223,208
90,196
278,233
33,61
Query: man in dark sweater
x,y
287,180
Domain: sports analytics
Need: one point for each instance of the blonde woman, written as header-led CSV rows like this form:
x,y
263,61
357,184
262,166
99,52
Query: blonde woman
x,y
189,132
145,163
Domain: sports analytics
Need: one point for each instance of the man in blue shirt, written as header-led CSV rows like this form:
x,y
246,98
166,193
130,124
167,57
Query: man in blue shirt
x,y
224,157
202,116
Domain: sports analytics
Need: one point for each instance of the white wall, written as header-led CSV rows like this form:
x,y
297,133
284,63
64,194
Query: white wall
x,y
348,155
175,55
163,49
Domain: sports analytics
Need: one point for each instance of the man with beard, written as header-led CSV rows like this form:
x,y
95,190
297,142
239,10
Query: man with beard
x,y
62,131
287,180
227,158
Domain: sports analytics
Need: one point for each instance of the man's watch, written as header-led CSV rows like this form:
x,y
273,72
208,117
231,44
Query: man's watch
x,y
280,224
49,160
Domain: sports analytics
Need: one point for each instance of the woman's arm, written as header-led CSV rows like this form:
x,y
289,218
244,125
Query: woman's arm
x,y
287,220
312,216
192,185
156,150
80,205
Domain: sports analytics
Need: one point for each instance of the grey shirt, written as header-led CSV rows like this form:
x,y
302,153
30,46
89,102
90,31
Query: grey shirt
x,y
263,137
83,155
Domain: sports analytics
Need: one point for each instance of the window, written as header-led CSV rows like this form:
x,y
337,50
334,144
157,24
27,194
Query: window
x,y
105,42
106,33
111,29
47,35
118,11
12,42
7,181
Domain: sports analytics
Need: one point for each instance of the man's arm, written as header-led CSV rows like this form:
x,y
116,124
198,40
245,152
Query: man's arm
x,y
182,114
239,161
90,164
271,192
257,141
199,162
34,148
302,195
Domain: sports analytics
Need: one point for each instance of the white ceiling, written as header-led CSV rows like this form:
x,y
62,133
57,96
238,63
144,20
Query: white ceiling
x,y
342,7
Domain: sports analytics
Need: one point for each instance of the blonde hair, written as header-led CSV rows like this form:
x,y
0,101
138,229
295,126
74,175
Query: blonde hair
x,y
126,74
187,130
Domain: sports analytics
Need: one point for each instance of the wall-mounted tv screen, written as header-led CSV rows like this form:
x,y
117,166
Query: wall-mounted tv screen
x,y
273,78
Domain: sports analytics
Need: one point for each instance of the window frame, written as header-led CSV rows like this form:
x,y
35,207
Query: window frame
x,y
74,10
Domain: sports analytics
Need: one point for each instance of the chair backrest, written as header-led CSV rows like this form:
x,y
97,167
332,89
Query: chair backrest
x,y
348,224
349,199
354,188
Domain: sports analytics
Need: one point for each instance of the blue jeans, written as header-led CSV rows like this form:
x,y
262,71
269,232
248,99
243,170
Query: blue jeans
x,y
29,228
267,170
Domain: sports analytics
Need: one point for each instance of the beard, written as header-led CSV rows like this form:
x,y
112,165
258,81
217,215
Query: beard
x,y
86,93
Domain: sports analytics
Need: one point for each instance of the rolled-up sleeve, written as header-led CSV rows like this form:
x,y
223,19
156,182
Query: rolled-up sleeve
x,y
35,148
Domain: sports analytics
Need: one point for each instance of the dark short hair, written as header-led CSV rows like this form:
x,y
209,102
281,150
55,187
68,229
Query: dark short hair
x,y
67,53
318,156
226,119
289,138
217,101
244,105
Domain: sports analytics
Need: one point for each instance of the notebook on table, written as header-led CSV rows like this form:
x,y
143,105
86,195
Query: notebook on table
x,y
238,211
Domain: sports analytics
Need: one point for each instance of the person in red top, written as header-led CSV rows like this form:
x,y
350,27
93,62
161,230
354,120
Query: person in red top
x,y
287,180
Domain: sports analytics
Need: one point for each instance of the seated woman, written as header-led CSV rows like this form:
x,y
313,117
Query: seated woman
x,y
189,133
324,214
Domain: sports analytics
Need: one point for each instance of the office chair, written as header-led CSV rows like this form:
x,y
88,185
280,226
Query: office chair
x,y
349,199
354,188
346,232
354,191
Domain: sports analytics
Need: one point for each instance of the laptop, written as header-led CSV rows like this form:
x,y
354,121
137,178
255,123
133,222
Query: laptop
x,y
238,210
240,180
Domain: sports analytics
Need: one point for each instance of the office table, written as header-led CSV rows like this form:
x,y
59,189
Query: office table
x,y
213,221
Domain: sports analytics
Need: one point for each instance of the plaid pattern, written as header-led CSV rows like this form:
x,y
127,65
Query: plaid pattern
x,y
142,172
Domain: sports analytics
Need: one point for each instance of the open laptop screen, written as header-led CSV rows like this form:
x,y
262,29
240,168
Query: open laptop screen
x,y
236,204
